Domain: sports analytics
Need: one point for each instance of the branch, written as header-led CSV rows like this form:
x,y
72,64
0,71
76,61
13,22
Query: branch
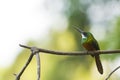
x,y
74,53
34,51
23,69
112,72
38,65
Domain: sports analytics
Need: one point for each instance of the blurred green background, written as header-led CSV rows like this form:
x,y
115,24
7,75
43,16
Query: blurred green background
x,y
78,13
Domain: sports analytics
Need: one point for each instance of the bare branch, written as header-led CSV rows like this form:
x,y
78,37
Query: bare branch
x,y
34,51
74,53
38,65
23,69
25,46
112,72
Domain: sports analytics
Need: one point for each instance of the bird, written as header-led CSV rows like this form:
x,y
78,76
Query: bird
x,y
90,44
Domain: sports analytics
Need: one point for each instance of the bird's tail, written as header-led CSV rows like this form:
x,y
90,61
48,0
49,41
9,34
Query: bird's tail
x,y
98,64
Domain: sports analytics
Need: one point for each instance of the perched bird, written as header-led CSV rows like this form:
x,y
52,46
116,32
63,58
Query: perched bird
x,y
90,44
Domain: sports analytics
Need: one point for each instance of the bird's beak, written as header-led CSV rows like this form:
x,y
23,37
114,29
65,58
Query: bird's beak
x,y
82,32
79,30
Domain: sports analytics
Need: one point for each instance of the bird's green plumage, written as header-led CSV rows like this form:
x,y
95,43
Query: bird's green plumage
x,y
89,41
91,44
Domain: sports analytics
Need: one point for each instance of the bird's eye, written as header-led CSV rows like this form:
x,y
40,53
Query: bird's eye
x,y
85,34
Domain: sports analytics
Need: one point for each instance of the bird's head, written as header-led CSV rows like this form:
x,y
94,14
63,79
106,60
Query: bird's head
x,y
85,35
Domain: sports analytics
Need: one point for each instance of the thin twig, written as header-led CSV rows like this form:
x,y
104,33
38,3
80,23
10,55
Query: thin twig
x,y
74,53
38,65
25,66
112,72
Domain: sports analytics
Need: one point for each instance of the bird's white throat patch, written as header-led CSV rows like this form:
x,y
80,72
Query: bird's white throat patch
x,y
83,36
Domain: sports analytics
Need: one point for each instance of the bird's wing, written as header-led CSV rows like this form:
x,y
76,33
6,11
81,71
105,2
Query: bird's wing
x,y
95,44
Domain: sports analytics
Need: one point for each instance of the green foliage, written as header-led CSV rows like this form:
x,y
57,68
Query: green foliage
x,y
76,14
112,40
